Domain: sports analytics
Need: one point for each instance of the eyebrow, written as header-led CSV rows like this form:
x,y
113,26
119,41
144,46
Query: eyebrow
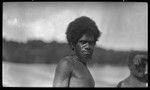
x,y
89,41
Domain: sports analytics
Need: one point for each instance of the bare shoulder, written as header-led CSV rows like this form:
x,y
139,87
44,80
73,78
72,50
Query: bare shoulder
x,y
62,72
65,63
119,84
66,60
124,83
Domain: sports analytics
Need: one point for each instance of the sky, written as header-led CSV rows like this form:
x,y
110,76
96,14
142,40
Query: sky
x,y
124,25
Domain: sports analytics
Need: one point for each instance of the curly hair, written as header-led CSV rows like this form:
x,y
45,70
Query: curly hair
x,y
80,26
131,56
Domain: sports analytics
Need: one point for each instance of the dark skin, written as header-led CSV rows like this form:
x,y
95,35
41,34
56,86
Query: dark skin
x,y
72,70
138,73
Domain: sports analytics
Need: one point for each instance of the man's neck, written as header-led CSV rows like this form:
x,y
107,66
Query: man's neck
x,y
83,61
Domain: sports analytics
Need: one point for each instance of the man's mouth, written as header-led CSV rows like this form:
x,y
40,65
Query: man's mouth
x,y
86,52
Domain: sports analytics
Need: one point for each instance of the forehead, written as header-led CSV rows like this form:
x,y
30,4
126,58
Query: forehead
x,y
87,38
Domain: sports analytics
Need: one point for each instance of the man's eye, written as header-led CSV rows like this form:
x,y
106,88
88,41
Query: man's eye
x,y
90,42
83,42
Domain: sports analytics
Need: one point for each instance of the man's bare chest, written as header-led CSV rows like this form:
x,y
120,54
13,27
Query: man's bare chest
x,y
81,72
81,76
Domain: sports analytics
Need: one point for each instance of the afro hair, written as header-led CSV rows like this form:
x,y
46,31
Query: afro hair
x,y
79,27
132,55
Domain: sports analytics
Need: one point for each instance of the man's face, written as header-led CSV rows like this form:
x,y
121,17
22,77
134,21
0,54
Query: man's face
x,y
84,47
141,66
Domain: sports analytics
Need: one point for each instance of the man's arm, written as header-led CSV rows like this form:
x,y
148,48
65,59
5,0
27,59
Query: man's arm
x,y
62,74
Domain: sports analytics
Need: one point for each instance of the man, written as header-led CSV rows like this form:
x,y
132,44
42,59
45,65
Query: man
x,y
72,71
138,65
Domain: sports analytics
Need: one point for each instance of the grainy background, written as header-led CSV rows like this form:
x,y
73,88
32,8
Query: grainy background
x,y
34,39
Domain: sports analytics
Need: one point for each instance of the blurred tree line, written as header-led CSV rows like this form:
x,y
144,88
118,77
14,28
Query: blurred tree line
x,y
37,51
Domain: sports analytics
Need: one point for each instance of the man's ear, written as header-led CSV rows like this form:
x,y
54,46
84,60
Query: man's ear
x,y
72,46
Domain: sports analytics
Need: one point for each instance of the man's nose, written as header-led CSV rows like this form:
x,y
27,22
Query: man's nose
x,y
87,46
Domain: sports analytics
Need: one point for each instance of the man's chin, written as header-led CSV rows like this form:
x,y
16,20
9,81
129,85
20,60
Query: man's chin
x,y
88,56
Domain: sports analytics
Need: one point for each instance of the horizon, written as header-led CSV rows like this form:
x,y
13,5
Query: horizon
x,y
102,47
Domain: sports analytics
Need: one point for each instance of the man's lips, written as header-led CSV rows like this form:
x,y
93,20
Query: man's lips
x,y
86,52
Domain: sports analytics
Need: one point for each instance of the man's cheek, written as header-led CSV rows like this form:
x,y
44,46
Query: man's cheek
x,y
82,47
78,50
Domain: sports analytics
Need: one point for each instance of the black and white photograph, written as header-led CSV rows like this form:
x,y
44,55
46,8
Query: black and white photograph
x,y
75,44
